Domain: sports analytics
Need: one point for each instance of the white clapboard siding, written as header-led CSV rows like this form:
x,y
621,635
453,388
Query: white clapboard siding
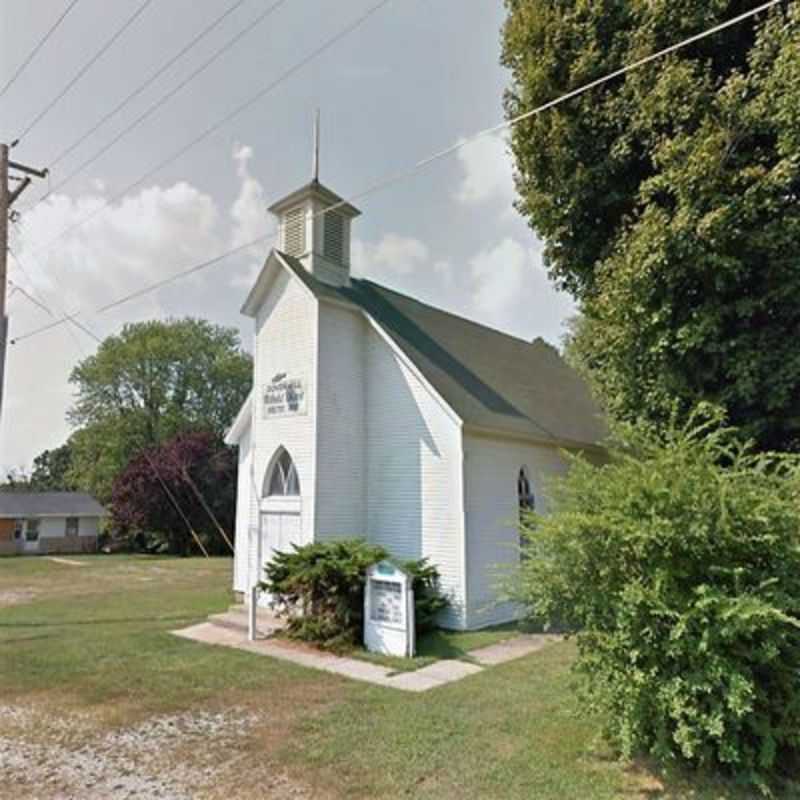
x,y
491,467
341,427
414,471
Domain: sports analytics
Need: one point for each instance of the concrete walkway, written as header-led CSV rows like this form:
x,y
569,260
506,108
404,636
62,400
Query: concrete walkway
x,y
230,630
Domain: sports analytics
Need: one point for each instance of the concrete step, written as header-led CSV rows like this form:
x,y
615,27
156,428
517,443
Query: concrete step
x,y
237,619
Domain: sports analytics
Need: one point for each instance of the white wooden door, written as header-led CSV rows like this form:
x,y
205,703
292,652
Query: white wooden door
x,y
279,531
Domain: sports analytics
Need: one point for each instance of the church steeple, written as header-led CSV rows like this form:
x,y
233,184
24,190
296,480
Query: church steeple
x,y
319,238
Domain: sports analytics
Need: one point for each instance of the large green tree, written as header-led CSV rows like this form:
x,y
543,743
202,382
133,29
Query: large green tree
x,y
668,200
150,383
51,470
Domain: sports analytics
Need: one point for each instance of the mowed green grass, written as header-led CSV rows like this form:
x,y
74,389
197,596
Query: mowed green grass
x,y
95,639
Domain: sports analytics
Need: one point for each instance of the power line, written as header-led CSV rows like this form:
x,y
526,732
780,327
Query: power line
x,y
71,318
419,166
175,503
249,28
85,68
15,287
38,47
35,298
142,86
227,118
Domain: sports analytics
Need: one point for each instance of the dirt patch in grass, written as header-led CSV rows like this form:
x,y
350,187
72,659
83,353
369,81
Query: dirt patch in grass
x,y
190,754
9,598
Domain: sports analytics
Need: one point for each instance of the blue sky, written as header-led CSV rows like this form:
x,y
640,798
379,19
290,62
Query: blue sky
x,y
417,76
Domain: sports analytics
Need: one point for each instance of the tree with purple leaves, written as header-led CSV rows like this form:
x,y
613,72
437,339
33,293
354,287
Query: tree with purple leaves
x,y
176,496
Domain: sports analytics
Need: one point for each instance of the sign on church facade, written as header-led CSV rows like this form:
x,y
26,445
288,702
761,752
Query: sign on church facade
x,y
283,396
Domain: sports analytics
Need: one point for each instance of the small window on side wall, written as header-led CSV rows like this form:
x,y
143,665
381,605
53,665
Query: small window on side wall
x,y
72,526
527,502
32,531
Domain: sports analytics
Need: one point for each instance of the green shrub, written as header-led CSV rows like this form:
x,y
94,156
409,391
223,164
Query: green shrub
x,y
679,564
428,598
319,587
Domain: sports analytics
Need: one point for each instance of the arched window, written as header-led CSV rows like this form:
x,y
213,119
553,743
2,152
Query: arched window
x,y
527,502
283,480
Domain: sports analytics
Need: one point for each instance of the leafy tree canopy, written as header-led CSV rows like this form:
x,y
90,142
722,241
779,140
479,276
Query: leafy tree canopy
x,y
151,382
51,470
50,473
669,200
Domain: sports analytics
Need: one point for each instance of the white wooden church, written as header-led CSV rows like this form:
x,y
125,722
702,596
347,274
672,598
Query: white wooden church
x,y
375,415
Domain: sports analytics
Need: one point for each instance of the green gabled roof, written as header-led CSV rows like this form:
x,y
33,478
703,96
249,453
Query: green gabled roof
x,y
490,379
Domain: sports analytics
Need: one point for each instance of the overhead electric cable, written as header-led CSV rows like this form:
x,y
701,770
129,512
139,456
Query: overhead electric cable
x,y
15,287
150,110
23,233
35,298
227,118
41,43
148,82
420,165
85,68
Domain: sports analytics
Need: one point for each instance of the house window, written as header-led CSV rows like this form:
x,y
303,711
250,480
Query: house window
x,y
527,503
19,526
72,526
283,481
32,531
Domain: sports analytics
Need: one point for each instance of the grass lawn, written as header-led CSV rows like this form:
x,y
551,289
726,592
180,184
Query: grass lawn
x,y
93,687
436,645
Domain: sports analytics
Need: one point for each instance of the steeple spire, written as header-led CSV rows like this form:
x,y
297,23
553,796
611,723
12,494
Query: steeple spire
x,y
315,161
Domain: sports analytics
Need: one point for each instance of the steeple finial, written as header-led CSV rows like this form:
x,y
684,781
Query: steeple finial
x,y
315,162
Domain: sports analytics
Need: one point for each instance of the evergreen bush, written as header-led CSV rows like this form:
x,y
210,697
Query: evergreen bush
x,y
679,564
319,587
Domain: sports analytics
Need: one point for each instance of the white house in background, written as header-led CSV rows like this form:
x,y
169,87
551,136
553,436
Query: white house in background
x,y
375,415
49,522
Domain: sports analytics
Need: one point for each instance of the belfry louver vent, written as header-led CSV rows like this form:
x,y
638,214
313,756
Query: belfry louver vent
x,y
295,232
333,248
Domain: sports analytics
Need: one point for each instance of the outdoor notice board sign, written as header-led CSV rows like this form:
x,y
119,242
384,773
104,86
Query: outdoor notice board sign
x,y
389,611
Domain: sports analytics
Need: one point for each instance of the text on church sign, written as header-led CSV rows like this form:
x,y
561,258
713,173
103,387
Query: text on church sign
x,y
284,395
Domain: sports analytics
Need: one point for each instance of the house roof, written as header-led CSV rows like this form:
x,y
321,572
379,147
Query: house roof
x,y
493,381
49,504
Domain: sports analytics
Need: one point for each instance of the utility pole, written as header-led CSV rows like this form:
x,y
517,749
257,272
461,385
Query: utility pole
x,y
7,199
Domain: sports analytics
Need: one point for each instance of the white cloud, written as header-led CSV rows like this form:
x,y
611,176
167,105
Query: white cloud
x,y
498,275
510,290
488,173
393,254
249,210
250,218
135,242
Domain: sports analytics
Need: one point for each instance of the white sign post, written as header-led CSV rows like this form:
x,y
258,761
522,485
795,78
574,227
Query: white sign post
x,y
389,611
252,611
